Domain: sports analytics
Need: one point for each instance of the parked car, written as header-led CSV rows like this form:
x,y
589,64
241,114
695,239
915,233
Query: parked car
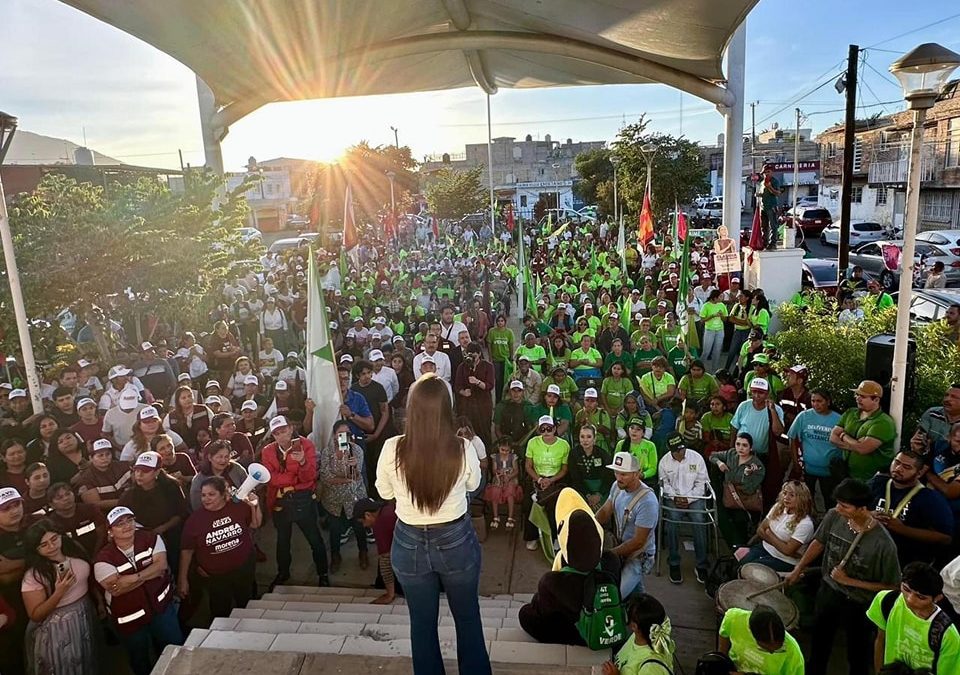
x,y
822,273
860,233
589,211
809,201
869,256
250,234
945,239
284,244
474,220
812,220
928,305
711,209
563,215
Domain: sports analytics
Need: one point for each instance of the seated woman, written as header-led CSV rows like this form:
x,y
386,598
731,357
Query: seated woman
x,y
757,642
35,504
650,647
589,474
68,456
738,484
786,531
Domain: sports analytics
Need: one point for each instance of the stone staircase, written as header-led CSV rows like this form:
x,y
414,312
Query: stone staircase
x,y
342,622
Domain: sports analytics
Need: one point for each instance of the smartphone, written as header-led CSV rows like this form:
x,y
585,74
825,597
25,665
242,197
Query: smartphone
x,y
343,441
62,569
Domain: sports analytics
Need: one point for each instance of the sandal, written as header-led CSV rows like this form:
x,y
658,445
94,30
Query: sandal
x,y
494,524
510,523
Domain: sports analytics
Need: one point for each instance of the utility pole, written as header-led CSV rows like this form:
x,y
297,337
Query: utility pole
x,y
753,136
796,166
849,140
396,138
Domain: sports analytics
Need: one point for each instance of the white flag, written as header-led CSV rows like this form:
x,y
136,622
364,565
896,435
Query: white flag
x,y
323,385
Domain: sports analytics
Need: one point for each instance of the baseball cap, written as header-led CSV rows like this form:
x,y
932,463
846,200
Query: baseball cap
x,y
6,385
365,506
251,379
759,384
8,494
545,419
675,442
248,405
85,401
761,358
376,355
278,422
351,333
337,292
398,338
553,389
516,384
380,319
636,421
613,315
638,316
83,363
869,388
212,383
562,368
590,393
118,512
148,460
213,400
376,335
291,355
624,462
735,280
118,371
183,377
333,325
149,413
128,399
346,358
428,359
523,357
281,385
146,346
101,444
799,368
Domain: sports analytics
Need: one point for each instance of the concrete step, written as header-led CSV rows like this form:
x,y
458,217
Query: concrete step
x,y
490,608
504,645
359,614
347,592
365,599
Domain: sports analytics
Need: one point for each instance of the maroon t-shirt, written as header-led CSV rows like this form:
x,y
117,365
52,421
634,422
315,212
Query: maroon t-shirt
x,y
383,527
221,539
89,432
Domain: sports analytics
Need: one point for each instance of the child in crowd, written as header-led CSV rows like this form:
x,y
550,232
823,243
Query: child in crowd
x,y
688,426
650,650
504,487
728,389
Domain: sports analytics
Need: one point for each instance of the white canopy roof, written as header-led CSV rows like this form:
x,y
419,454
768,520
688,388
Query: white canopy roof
x,y
252,52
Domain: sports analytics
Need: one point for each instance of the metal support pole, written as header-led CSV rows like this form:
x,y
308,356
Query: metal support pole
x,y
898,379
212,135
616,213
849,141
493,204
733,132
796,166
16,296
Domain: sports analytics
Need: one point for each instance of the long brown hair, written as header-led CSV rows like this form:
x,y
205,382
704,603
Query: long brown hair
x,y
430,456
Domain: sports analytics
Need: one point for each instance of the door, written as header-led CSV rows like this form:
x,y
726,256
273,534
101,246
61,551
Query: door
x,y
899,206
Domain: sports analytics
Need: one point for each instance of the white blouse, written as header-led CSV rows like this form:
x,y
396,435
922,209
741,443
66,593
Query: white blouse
x,y
391,485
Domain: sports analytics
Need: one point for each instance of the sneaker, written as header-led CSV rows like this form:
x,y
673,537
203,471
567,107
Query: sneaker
x,y
345,537
676,576
370,538
324,581
277,580
532,545
701,575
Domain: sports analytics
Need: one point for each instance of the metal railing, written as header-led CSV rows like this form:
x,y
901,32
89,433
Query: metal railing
x,y
896,171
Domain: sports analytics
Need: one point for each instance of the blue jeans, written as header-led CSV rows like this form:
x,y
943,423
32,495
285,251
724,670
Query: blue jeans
x,y
695,514
423,561
632,573
143,647
758,554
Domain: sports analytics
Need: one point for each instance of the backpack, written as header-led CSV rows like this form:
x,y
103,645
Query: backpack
x,y
603,621
723,570
938,626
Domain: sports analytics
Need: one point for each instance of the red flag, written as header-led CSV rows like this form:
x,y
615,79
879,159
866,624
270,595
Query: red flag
x,y
645,233
510,217
891,257
756,235
681,226
436,227
350,238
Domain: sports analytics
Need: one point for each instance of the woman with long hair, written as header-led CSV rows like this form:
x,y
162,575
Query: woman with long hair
x,y
216,461
63,636
235,385
68,456
35,501
39,447
786,531
429,471
187,417
740,475
147,427
13,454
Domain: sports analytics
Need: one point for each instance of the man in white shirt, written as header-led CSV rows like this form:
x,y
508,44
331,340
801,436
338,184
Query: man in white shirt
x,y
430,366
449,329
380,325
271,358
683,482
387,377
119,377
118,420
438,358
703,291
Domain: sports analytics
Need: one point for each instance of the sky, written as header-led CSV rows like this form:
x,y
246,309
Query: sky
x,y
68,75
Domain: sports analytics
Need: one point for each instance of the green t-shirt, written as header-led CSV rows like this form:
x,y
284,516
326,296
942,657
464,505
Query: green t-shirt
x,y
644,355
615,391
712,314
880,426
537,355
591,355
501,344
717,427
625,358
646,453
655,388
667,337
747,654
677,358
559,413
759,319
568,388
578,335
547,459
700,388
634,659
907,637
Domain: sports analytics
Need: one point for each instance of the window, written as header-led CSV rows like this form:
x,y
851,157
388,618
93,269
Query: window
x,y
857,156
881,196
937,206
523,201
831,150
953,142
856,193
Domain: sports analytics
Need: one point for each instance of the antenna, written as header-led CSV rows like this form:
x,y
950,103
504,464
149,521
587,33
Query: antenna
x,y
84,130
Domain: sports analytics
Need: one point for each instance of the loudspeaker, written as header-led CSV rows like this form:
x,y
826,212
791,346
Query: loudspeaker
x,y
879,365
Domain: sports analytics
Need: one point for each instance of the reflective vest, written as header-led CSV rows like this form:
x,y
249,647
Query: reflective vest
x,y
135,610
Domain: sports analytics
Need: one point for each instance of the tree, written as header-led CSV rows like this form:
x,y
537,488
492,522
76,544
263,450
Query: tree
x,y
453,194
125,251
678,174
595,185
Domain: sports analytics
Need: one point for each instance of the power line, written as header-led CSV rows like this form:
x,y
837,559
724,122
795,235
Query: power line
x,y
915,30
796,100
686,111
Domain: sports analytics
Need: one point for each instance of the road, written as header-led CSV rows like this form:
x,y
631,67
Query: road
x,y
817,250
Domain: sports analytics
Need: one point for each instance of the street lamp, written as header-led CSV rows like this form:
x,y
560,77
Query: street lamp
x,y
615,160
393,205
8,126
648,150
556,177
922,74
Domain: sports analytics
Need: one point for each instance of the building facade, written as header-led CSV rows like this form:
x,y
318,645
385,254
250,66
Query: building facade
x,y
524,172
272,198
881,158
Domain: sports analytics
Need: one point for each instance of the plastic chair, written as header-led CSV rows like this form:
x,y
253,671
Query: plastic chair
x,y
669,515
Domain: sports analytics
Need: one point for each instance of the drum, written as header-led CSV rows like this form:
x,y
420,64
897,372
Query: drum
x,y
734,594
760,574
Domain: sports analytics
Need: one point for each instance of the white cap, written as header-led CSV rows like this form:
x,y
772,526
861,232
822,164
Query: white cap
x,y
248,405
553,389
638,316
148,460
398,338
116,513
83,363
516,384
759,384
376,335
183,377
590,393
291,355
523,357
278,422
346,358
212,383
129,399
6,385
613,315
85,401
281,385
545,419
376,355
587,306
8,494
561,305
213,400
149,413
428,359
334,325
251,379
118,371
351,333
17,393
144,346
182,353
625,462
102,444
380,319
337,292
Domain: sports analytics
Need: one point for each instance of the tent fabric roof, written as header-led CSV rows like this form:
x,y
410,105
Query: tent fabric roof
x,y
251,52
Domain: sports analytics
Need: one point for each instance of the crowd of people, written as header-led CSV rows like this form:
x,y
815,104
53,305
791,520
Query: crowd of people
x,y
119,500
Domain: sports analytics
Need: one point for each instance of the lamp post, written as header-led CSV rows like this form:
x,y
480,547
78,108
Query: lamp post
x,y
556,178
922,74
8,126
393,206
615,160
648,150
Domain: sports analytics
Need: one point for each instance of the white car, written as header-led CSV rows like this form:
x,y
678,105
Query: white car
x,y
711,209
948,240
808,201
250,234
860,233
